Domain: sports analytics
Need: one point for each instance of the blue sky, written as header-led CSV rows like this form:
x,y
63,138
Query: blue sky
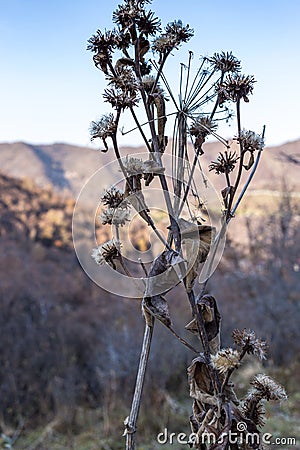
x,y
50,90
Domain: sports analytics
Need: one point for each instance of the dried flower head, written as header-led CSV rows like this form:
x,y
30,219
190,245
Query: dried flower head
x,y
132,15
225,162
247,340
203,126
176,33
103,128
250,141
114,216
107,253
225,359
253,409
121,98
150,85
268,388
125,14
148,23
235,87
125,78
102,44
225,62
114,198
133,166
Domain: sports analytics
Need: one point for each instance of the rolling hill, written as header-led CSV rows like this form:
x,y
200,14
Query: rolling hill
x,y
66,167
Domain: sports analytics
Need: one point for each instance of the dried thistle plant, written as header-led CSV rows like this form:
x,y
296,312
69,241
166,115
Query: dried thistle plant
x,y
136,80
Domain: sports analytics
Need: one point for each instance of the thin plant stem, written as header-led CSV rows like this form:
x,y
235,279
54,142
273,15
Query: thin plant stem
x,y
131,425
240,169
232,212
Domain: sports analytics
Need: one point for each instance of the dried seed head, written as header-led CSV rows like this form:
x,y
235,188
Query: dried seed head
x,y
225,359
133,166
133,13
150,85
179,32
107,253
114,216
176,33
225,162
225,62
250,141
253,408
125,79
268,388
202,126
247,340
125,14
148,23
121,98
114,198
102,42
235,87
103,128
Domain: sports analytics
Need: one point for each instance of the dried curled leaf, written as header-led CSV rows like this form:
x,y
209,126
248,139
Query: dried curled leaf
x,y
197,240
212,322
158,307
201,388
164,273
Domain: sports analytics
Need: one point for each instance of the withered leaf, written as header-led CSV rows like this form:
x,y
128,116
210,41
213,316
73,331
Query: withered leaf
x,y
212,322
158,307
226,194
200,384
250,162
164,273
197,240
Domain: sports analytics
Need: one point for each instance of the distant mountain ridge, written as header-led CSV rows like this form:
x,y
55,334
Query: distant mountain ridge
x,y
66,167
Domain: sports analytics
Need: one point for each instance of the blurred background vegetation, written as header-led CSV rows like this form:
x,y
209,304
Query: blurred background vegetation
x,y
69,350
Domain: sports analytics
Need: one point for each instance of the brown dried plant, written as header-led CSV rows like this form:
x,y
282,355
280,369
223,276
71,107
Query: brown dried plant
x,y
136,81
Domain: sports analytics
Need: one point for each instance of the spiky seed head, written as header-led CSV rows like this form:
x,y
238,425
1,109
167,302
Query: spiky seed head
x,y
235,87
107,252
250,140
150,85
253,408
176,33
114,216
114,198
268,388
203,126
225,162
121,98
225,62
246,339
225,359
103,128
